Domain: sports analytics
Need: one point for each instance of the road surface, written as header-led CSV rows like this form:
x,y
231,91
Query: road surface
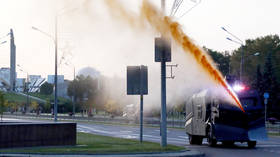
x,y
269,148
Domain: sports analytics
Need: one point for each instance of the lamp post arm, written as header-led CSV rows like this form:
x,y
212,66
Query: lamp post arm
x,y
46,34
223,28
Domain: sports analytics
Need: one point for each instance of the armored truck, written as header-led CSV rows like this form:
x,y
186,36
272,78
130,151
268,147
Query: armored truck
x,y
210,116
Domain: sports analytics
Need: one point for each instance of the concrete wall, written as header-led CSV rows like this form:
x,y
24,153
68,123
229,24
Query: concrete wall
x,y
37,134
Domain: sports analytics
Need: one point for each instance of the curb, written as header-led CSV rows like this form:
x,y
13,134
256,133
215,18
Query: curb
x,y
187,153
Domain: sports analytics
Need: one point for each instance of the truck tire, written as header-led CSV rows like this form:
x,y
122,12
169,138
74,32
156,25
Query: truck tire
x,y
228,143
193,139
252,144
199,140
210,138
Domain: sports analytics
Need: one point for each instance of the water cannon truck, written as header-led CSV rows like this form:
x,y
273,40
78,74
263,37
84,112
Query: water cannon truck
x,y
209,116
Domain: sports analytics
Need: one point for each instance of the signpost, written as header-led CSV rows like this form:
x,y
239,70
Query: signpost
x,y
266,96
137,84
163,55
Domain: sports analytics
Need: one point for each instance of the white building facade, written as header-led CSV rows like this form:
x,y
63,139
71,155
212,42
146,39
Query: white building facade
x,y
60,79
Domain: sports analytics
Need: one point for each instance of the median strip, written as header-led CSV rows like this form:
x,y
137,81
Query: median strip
x,y
96,144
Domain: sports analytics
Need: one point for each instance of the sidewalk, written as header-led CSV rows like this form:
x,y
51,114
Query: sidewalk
x,y
167,154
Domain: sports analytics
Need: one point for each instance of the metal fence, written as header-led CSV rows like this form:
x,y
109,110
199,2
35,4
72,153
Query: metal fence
x,y
273,128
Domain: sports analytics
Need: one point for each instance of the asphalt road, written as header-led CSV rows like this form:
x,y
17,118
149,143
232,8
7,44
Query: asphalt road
x,y
269,148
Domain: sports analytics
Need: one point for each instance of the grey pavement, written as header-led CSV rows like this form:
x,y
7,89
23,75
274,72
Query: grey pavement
x,y
171,154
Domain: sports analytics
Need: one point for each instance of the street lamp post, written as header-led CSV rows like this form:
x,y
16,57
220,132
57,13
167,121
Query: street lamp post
x,y
3,42
62,11
240,42
55,66
55,73
255,54
27,89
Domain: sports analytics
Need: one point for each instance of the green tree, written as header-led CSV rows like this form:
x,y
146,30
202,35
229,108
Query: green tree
x,y
46,88
34,106
84,91
13,106
258,82
222,60
47,106
113,108
268,77
2,104
270,85
261,45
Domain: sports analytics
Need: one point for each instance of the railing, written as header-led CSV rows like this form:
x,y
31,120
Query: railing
x,y
273,128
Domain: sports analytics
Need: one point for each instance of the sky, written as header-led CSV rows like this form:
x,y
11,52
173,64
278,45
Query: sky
x,y
35,51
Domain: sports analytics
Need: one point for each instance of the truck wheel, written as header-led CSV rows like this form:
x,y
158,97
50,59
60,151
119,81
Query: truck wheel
x,y
228,143
210,139
192,139
199,140
252,144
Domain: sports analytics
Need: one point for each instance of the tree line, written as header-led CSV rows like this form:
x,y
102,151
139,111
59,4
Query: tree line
x,y
261,71
261,67
97,94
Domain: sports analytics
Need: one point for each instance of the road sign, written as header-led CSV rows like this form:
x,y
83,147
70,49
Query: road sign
x,y
137,80
266,95
137,84
162,50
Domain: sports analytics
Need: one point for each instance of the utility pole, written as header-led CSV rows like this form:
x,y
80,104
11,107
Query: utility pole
x,y
55,73
241,63
163,131
163,6
74,93
12,62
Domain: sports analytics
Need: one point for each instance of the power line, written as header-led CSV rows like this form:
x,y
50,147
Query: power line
x,y
175,7
196,4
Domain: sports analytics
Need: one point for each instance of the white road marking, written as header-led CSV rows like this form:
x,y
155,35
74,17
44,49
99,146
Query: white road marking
x,y
159,131
184,137
96,130
125,131
268,145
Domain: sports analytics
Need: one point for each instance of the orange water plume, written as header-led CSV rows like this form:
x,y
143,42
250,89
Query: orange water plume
x,y
168,28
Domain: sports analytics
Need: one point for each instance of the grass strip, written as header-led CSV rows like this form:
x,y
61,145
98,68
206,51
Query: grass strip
x,y
273,134
14,97
97,144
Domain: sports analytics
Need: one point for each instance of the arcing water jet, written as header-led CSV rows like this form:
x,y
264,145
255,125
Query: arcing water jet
x,y
170,29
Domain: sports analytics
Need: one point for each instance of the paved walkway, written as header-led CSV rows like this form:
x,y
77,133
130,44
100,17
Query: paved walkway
x,y
168,154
